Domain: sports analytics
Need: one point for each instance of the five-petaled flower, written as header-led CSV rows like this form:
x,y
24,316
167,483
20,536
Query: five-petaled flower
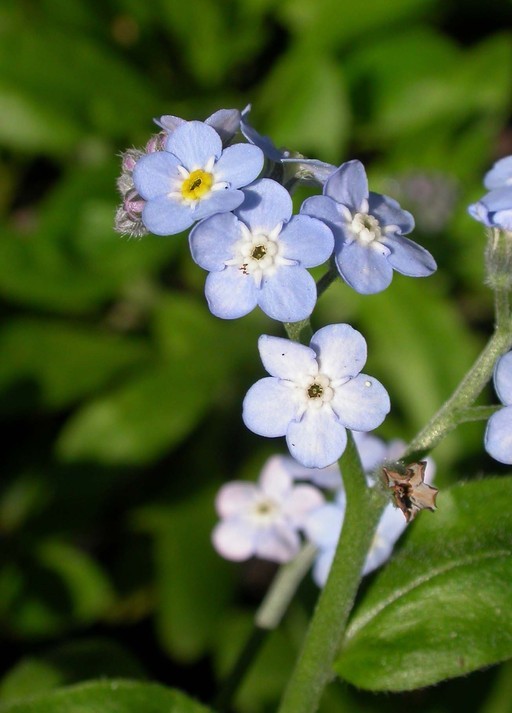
x,y
498,434
258,255
263,519
193,178
369,231
313,394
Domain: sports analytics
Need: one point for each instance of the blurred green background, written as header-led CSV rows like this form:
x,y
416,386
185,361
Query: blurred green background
x,y
120,393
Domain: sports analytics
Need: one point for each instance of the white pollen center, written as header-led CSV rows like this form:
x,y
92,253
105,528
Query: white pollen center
x,y
318,391
258,254
365,227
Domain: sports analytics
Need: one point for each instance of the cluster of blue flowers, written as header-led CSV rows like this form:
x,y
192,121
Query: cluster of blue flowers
x,y
232,186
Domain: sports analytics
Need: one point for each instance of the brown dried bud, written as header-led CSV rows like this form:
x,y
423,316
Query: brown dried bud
x,y
411,494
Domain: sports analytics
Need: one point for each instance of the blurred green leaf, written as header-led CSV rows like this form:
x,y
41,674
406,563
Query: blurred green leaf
x,y
70,663
187,614
54,364
306,115
441,607
116,696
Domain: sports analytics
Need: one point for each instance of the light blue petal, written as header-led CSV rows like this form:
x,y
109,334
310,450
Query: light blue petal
x,y
348,185
503,219
263,142
311,169
169,123
323,525
226,123
230,293
409,258
318,439
503,379
391,526
193,143
266,205
221,201
479,212
365,268
326,210
341,350
268,408
289,295
239,165
286,359
278,543
499,199
154,174
163,216
372,450
212,240
307,240
322,566
500,174
361,404
498,436
388,212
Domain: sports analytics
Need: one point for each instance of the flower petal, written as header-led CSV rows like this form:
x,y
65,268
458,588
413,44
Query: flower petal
x,y
308,240
235,497
341,350
361,404
268,407
226,123
163,216
503,379
322,566
280,543
498,436
348,185
500,174
275,480
239,165
212,241
230,293
154,174
318,439
409,258
234,540
388,212
302,500
221,201
266,205
365,268
286,359
289,295
323,526
194,143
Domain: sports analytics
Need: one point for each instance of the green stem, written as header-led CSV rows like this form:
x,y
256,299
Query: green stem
x,y
314,668
477,413
445,420
326,280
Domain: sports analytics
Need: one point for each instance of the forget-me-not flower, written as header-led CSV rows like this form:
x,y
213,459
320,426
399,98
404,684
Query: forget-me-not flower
x,y
313,394
193,178
494,210
258,255
263,519
226,123
369,231
498,434
500,174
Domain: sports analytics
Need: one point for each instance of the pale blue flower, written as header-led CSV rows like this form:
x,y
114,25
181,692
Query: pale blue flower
x,y
498,434
500,174
494,210
258,255
263,519
226,123
369,231
313,394
193,178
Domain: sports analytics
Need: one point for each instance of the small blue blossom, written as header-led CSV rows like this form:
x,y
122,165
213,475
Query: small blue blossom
x,y
369,231
226,123
500,174
263,519
193,178
494,210
313,394
498,434
258,256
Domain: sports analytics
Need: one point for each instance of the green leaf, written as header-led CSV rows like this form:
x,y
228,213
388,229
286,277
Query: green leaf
x,y
116,696
187,615
70,663
441,608
51,363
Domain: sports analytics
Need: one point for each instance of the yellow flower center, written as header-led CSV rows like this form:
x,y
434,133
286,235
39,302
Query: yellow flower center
x,y
197,184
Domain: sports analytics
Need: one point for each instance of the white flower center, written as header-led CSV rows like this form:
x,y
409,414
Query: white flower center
x,y
193,186
366,228
264,510
258,254
317,392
